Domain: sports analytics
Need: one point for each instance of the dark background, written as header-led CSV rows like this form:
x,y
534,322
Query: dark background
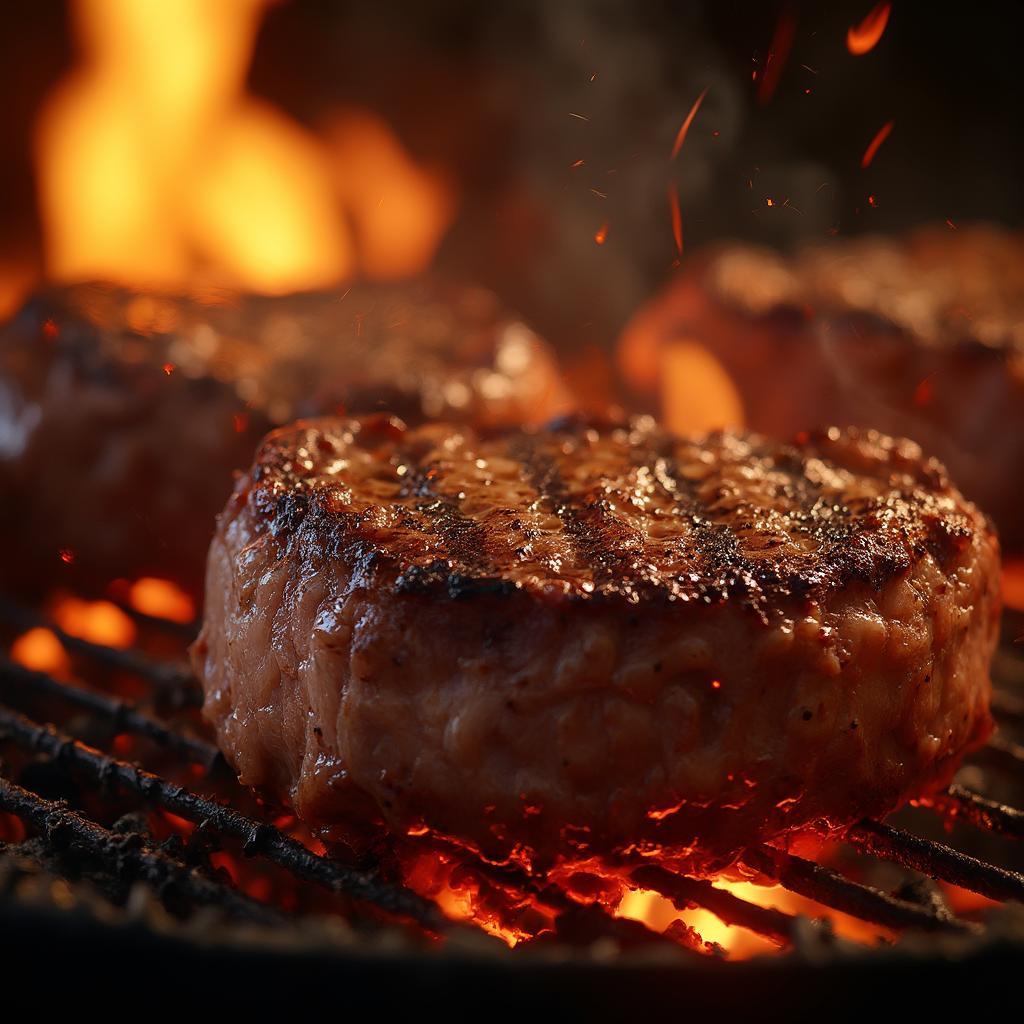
x,y
489,89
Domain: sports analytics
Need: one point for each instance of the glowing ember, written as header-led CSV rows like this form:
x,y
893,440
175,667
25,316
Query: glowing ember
x,y
40,650
863,38
677,218
162,599
67,556
98,621
880,137
601,235
685,126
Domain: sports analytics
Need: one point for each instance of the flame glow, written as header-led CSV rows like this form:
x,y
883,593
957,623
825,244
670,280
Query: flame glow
x,y
40,650
697,392
155,167
863,38
1013,583
738,943
98,621
162,599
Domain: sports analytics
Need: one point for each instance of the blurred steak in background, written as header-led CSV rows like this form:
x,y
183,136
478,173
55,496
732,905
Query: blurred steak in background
x,y
124,414
920,336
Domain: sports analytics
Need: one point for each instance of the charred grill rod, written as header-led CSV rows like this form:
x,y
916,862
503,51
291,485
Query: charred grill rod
x,y
257,837
937,860
1009,755
831,889
1007,706
131,856
122,715
685,893
959,802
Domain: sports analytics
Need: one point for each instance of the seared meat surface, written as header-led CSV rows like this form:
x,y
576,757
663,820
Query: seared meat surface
x,y
122,416
595,638
920,336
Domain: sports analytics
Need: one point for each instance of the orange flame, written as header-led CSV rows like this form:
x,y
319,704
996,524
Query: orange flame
x,y
863,38
155,167
873,146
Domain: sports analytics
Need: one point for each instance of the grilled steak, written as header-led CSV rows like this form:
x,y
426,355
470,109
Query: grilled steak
x,y
598,637
122,416
920,336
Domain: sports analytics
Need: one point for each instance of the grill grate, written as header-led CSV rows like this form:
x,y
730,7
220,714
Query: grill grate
x,y
167,869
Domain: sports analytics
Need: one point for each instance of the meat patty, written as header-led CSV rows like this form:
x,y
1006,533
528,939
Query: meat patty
x,y
122,416
597,638
919,336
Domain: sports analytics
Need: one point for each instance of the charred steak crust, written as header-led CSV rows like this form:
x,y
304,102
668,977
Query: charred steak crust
x,y
615,512
595,638
147,403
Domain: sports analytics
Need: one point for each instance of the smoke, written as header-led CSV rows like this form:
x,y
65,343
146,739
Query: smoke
x,y
594,94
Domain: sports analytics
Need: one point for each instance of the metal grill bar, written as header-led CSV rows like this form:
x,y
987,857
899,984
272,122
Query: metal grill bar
x,y
257,836
132,857
937,860
1008,706
686,893
821,884
122,715
831,889
569,910
1010,755
981,812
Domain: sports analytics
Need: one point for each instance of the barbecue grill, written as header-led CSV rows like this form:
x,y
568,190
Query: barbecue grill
x,y
129,843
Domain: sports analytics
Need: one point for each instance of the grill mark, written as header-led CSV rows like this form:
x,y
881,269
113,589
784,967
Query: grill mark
x,y
601,551
464,539
594,535
718,545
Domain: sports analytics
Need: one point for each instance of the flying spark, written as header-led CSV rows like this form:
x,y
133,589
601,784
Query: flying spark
x,y
863,38
880,137
677,218
685,126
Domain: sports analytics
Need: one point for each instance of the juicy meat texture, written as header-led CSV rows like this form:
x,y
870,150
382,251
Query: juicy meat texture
x,y
123,415
595,639
920,336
